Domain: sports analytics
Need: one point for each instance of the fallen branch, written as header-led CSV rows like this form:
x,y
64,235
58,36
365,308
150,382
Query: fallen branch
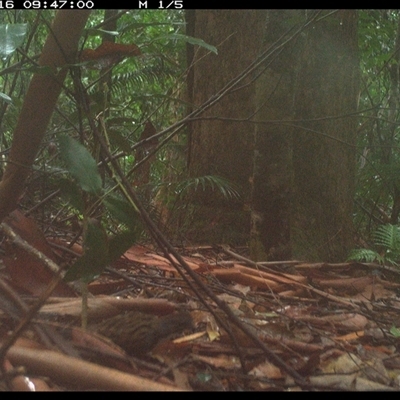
x,y
80,373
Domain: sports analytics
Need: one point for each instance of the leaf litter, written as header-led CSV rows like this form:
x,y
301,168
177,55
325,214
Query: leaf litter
x,y
336,325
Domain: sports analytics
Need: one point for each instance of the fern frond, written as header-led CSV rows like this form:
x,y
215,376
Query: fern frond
x,y
215,182
365,255
143,77
388,237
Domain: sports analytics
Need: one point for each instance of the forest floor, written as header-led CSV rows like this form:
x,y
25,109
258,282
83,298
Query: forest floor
x,y
327,326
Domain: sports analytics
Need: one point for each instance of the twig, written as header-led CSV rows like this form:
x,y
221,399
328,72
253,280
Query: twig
x,y
257,264
51,265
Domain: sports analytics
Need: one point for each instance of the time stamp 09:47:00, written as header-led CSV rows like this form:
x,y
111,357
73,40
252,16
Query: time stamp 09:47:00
x,y
78,4
43,4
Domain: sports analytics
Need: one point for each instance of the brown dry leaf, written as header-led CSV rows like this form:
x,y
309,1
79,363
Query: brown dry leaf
x,y
375,370
137,250
146,259
346,363
222,361
243,289
346,321
351,336
266,370
109,286
234,301
212,328
375,291
380,352
172,354
136,254
363,385
347,382
181,378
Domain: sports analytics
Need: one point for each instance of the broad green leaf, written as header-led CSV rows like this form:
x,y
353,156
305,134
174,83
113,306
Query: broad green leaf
x,y
122,211
120,243
191,40
11,37
80,164
99,252
75,272
95,257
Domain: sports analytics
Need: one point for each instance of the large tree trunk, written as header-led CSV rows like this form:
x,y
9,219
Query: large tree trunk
x,y
324,141
303,172
223,146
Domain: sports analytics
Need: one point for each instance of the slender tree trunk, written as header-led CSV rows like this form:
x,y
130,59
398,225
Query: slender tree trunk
x,y
60,49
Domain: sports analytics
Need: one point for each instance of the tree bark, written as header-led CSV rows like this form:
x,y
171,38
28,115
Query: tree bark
x,y
324,140
223,145
272,158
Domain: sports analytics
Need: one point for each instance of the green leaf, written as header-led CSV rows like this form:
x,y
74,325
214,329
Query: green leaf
x,y
6,98
122,211
80,164
365,255
191,40
100,32
95,257
120,243
11,37
395,331
215,182
388,236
